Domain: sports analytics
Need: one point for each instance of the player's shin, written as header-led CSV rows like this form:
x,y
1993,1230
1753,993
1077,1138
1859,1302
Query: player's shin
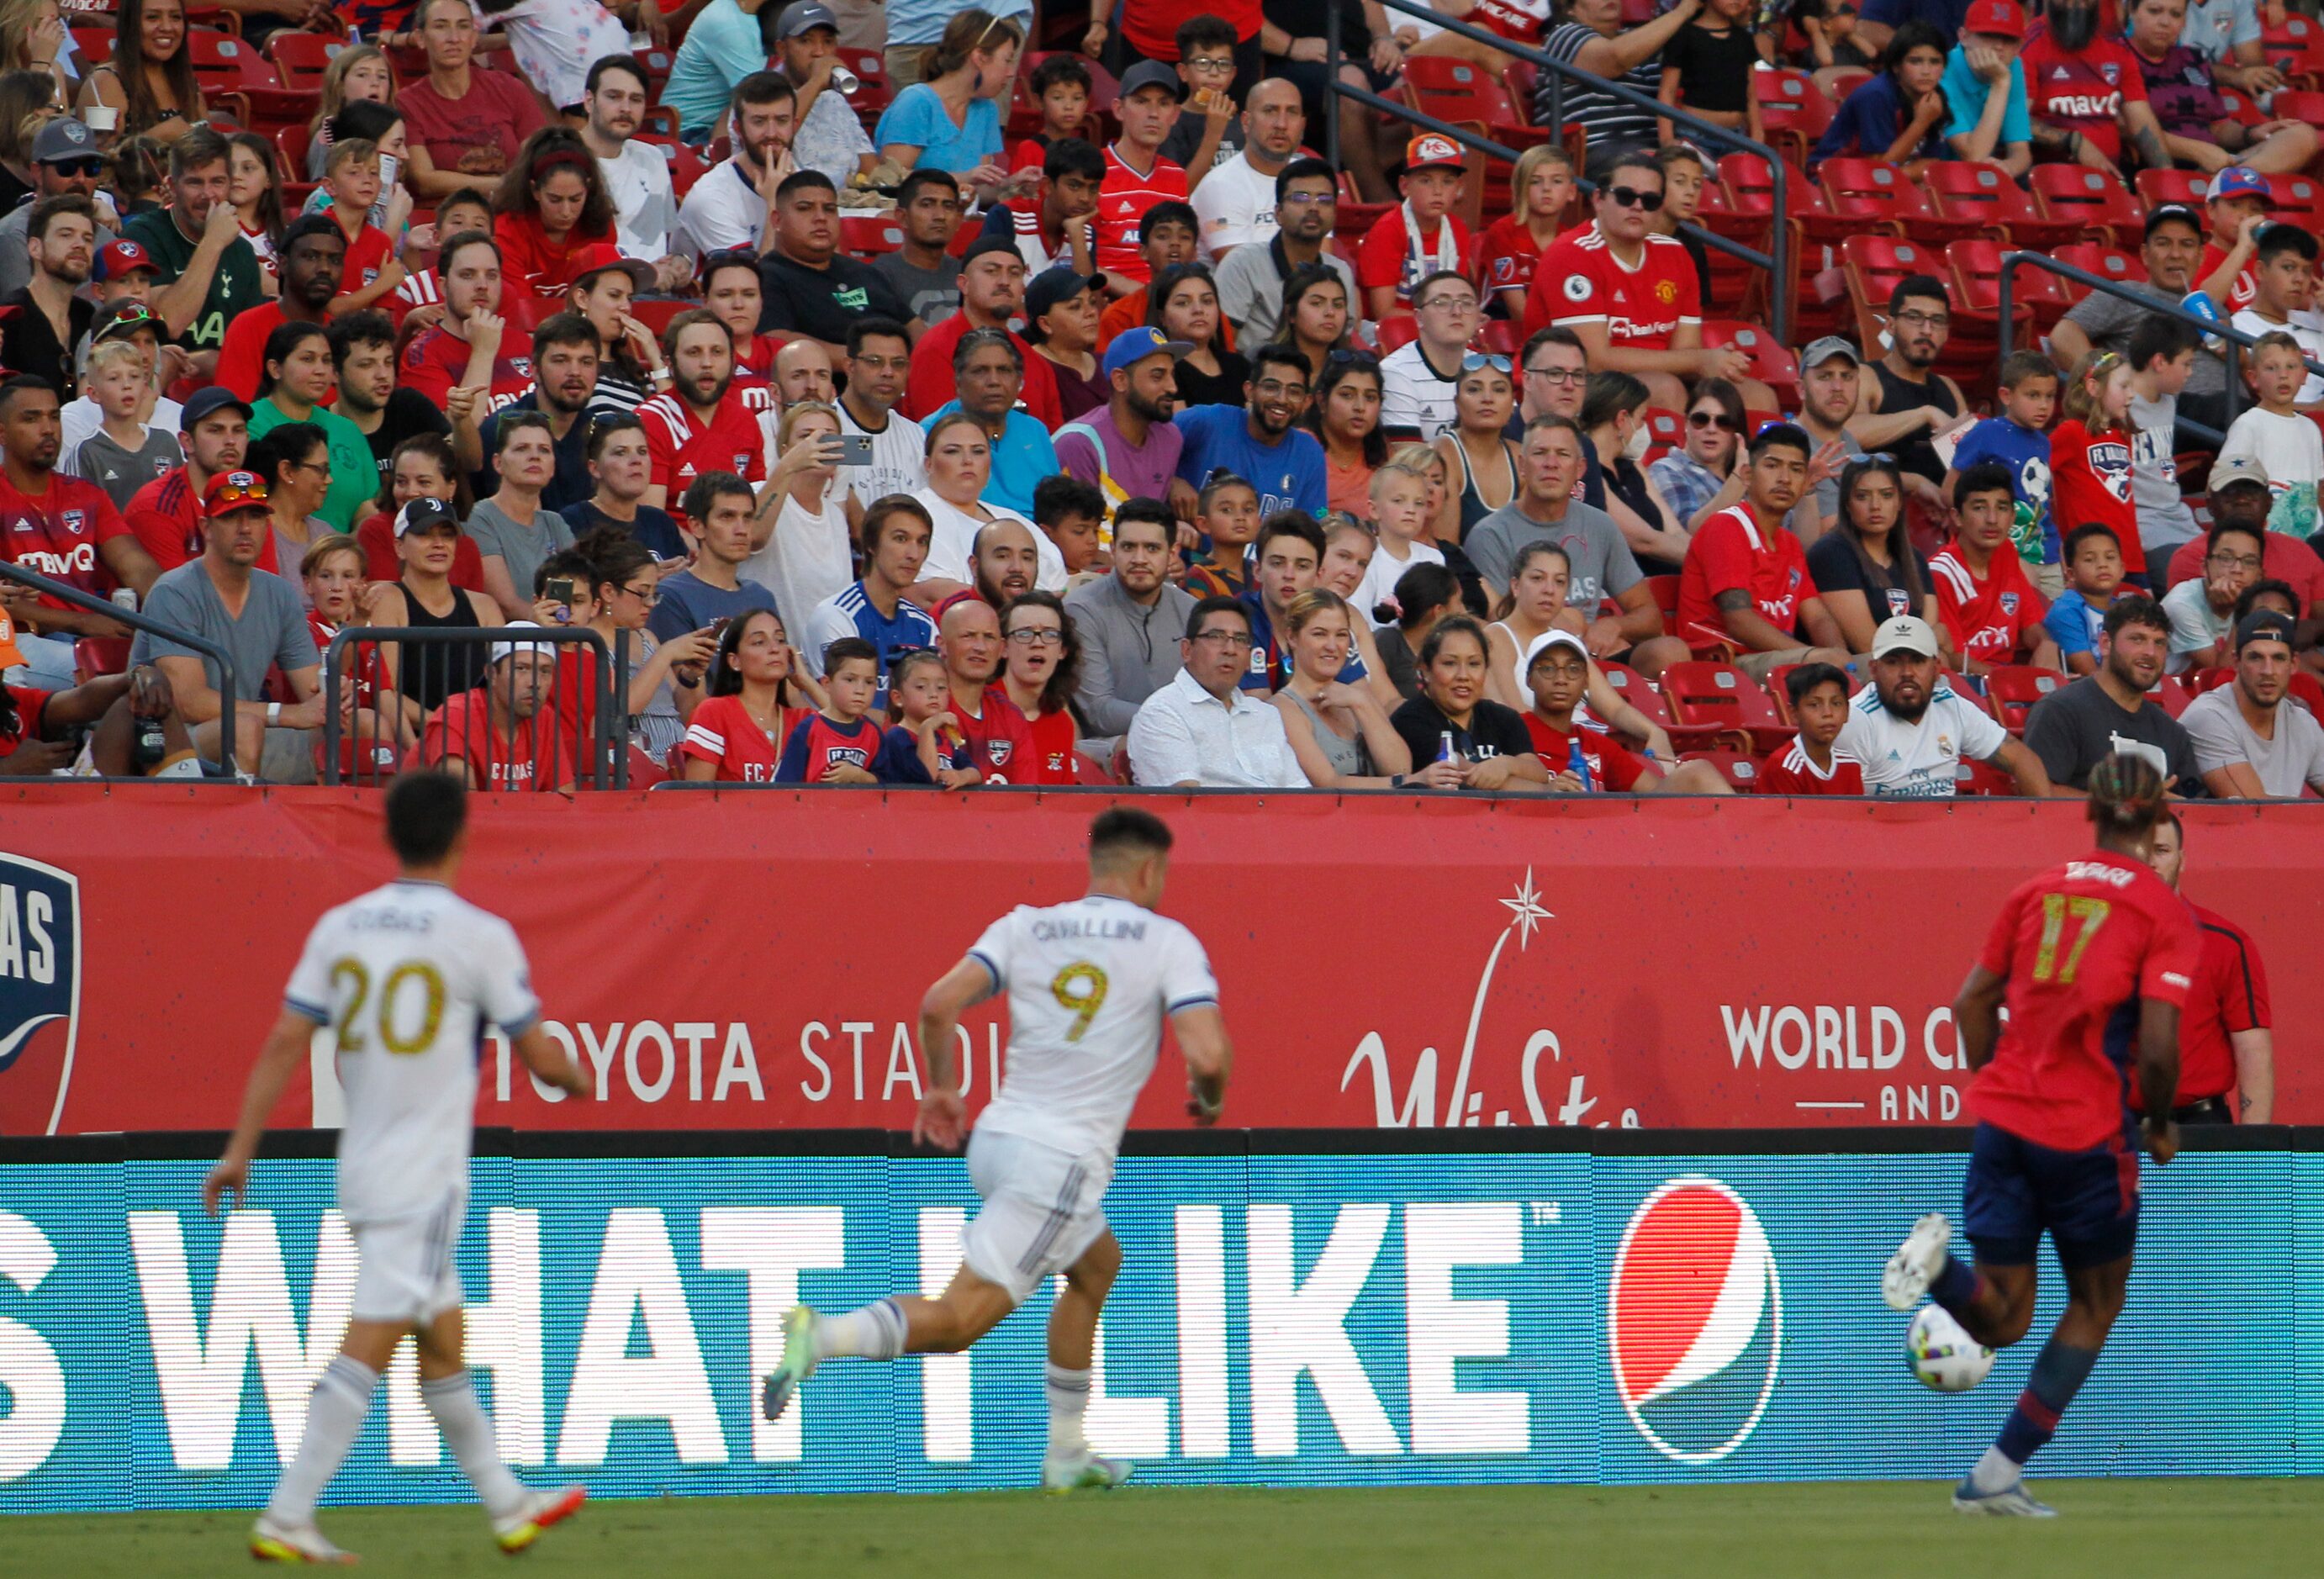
x,y
2058,1373
1069,1395
467,1430
335,1415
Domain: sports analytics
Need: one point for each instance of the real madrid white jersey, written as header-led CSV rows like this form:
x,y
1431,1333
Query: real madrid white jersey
x,y
409,975
1917,760
1088,986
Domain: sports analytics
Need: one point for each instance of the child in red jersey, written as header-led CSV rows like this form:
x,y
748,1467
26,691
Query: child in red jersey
x,y
352,182
2089,456
1811,764
839,744
1983,595
2093,959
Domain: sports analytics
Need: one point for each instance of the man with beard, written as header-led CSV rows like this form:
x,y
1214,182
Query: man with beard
x,y
1130,622
1303,207
991,292
2248,743
878,365
564,375
636,175
1236,200
312,259
734,205
166,513
811,288
46,319
1909,729
1258,440
1005,563
702,425
206,273
2074,729
999,740
830,137
1830,378
921,272
362,360
1746,579
502,736
66,159
1127,448
1902,407
989,372
2087,94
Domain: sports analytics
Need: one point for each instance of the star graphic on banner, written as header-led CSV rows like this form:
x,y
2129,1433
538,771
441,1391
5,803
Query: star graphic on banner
x,y
1527,909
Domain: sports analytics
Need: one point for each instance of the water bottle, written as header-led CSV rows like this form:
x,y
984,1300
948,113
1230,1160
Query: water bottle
x,y
1445,751
845,81
1578,764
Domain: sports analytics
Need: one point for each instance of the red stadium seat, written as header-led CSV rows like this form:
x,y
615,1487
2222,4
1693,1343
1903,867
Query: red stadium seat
x,y
301,57
1966,692
1722,700
2207,680
1975,267
1772,362
1665,587
656,312
1873,266
2012,688
1397,330
1971,777
1740,770
1779,690
225,63
1792,111
1868,193
2183,186
2295,48
2297,104
2096,200
1501,336
2171,695
1960,190
1086,772
2109,263
1357,217
2309,691
685,166
868,236
1637,690
1750,184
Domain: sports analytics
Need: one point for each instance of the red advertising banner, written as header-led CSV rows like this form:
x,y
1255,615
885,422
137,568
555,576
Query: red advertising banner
x,y
756,959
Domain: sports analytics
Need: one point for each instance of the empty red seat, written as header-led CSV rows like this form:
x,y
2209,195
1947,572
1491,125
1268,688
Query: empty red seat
x,y
1720,700
2094,199
2013,689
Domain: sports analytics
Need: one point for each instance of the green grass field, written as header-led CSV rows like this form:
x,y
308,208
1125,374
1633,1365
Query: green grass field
x,y
1887,1530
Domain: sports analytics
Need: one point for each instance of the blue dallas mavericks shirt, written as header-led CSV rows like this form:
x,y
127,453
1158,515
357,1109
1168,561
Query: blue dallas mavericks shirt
x,y
1289,475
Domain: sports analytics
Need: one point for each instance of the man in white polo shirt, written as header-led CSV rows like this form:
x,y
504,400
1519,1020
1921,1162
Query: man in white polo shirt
x,y
1909,729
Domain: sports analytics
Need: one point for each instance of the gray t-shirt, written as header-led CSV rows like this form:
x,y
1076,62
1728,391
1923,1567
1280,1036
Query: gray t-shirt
x,y
1604,565
121,471
523,548
2164,522
932,294
2074,729
2108,321
272,631
2295,757
1250,289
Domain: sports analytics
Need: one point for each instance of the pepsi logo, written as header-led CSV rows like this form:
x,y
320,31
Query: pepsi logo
x,y
1694,1320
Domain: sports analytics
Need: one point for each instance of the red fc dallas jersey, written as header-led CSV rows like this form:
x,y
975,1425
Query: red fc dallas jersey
x,y
723,731
1000,743
1580,281
1053,747
1792,772
2081,944
1992,619
56,532
684,448
1613,766
2090,480
2229,995
437,359
1730,551
2084,90
2243,293
1122,199
754,370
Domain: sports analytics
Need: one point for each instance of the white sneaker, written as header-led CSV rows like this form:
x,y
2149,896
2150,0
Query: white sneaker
x,y
798,1361
539,1510
1084,1471
272,1541
2012,1502
1917,1263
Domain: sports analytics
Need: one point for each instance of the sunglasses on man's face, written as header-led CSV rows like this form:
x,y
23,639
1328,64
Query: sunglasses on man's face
x,y
88,167
1631,197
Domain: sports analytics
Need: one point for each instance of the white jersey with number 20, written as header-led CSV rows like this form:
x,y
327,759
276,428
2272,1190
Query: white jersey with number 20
x,y
409,975
1089,984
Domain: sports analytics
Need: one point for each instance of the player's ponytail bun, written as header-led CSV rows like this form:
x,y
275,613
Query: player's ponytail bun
x,y
2126,796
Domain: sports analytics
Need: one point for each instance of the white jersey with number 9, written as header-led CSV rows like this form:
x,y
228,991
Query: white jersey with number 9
x,y
408,976
1089,984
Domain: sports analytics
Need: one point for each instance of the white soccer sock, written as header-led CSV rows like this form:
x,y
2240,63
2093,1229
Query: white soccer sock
x,y
1069,1395
1996,1472
468,1431
335,1415
876,1332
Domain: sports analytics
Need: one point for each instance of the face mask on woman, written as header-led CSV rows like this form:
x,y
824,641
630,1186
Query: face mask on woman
x,y
1641,440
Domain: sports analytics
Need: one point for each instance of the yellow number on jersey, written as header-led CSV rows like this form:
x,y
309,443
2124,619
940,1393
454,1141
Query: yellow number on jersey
x,y
1080,989
390,997
2090,911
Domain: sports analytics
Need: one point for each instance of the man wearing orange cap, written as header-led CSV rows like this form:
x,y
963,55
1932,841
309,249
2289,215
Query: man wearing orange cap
x,y
1420,237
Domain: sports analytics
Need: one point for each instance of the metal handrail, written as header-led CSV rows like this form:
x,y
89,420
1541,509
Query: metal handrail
x,y
1774,260
138,620
2235,339
599,772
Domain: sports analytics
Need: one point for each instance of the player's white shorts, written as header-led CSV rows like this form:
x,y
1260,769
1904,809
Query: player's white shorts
x,y
1042,1208
405,1265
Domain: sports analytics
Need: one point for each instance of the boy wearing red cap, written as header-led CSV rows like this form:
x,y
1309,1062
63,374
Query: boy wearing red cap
x,y
1420,237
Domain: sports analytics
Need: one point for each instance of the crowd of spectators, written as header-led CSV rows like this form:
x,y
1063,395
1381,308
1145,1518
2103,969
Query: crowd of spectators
x,y
907,403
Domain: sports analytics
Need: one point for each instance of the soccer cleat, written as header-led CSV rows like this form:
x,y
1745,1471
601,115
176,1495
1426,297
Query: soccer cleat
x,y
798,1361
1917,1263
539,1510
274,1542
1084,1472
2012,1502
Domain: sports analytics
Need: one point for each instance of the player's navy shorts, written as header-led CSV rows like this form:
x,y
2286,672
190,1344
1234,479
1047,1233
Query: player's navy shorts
x,y
2088,1201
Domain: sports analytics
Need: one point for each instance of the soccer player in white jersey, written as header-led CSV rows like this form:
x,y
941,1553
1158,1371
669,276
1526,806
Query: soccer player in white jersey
x,y
1089,985
408,976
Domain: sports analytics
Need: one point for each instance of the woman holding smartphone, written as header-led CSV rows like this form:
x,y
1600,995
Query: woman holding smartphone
x,y
801,548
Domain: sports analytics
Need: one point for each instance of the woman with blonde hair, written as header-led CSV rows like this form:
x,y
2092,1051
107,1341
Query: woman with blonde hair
x,y
800,541
360,72
34,38
149,84
1339,732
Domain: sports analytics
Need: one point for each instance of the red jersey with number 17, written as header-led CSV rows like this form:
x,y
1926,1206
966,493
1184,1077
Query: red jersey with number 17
x,y
2081,945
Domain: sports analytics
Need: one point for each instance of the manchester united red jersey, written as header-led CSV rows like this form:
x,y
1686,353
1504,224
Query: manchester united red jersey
x,y
1792,772
56,532
1992,619
2080,944
684,447
1731,551
1580,281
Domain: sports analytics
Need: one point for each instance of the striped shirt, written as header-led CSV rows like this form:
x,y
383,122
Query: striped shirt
x,y
1606,119
1122,199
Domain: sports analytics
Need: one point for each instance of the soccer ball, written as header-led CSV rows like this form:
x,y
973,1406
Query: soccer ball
x,y
1942,1354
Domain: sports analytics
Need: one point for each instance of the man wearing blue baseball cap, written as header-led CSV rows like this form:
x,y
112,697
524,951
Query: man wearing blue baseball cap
x,y
2237,205
1127,448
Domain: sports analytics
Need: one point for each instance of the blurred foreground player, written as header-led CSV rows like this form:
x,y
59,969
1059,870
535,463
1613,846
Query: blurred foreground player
x,y
2094,958
406,976
1089,984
